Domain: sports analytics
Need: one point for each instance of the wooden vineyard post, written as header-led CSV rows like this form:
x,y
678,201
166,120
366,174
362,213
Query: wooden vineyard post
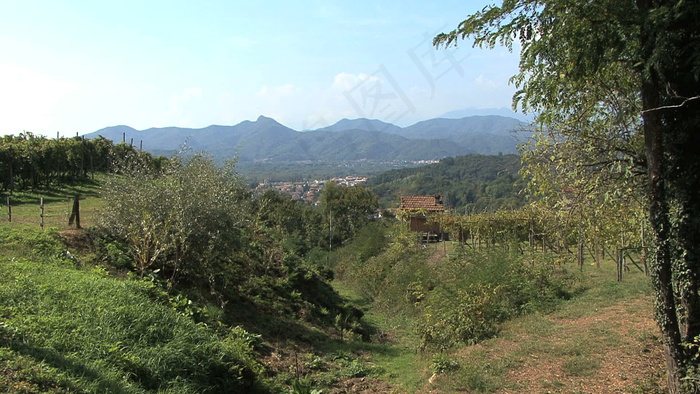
x,y
41,215
75,214
9,210
619,264
644,253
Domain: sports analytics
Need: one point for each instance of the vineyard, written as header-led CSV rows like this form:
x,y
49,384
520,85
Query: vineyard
x,y
574,238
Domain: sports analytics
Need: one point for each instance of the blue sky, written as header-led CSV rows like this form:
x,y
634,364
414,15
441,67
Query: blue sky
x,y
77,66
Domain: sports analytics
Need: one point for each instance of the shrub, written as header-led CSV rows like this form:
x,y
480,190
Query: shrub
x,y
477,292
441,364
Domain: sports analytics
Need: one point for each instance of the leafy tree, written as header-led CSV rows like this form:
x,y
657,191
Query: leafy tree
x,y
185,220
346,210
622,71
298,225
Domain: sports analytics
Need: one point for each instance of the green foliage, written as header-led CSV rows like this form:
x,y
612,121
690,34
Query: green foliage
x,y
184,220
24,374
106,335
28,161
441,363
461,300
479,291
193,229
302,386
31,241
346,210
473,183
367,264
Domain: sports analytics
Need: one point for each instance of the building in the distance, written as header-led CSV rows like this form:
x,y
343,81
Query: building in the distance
x,y
418,211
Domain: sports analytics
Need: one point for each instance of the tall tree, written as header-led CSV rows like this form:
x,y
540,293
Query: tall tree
x,y
575,56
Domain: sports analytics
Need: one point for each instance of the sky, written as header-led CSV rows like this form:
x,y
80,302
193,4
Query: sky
x,y
72,67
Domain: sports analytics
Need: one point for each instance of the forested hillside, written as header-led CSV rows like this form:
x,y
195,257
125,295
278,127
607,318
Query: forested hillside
x,y
471,183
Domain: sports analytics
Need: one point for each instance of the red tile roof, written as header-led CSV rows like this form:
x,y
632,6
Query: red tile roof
x,y
428,203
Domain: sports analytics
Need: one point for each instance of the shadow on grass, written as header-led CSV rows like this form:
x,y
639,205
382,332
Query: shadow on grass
x,y
52,194
73,369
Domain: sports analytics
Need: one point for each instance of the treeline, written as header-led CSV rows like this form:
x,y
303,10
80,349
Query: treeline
x,y
28,161
472,183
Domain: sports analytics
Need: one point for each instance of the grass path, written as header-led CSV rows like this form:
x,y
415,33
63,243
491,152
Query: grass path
x,y
603,341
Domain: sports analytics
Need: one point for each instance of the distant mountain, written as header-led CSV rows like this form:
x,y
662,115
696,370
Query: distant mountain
x,y
266,140
363,124
455,129
506,112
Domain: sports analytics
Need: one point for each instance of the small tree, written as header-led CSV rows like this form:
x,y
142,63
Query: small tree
x,y
346,209
186,219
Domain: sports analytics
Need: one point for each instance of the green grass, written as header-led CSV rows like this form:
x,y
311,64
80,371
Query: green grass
x,y
576,351
547,334
394,344
58,205
67,330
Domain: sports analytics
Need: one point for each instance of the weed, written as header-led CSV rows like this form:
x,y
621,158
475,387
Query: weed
x,y
441,364
580,365
108,336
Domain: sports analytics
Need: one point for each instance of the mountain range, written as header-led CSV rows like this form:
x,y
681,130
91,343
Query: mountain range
x,y
266,140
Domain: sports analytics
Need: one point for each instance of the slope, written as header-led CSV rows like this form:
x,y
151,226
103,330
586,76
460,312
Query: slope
x,y
475,182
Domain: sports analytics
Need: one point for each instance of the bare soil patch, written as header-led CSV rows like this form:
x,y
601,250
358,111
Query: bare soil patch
x,y
634,361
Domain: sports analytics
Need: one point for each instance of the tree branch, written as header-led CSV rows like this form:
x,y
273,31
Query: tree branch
x,y
671,106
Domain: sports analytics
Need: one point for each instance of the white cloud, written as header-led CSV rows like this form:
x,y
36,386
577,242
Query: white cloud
x,y
484,82
178,102
182,109
346,81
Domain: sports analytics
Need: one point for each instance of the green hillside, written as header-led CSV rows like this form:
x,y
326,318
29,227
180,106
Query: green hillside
x,y
182,281
471,183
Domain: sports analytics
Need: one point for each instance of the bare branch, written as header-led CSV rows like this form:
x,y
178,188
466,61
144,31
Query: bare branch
x,y
671,106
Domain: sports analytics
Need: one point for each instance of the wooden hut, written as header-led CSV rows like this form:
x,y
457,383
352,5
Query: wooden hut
x,y
418,210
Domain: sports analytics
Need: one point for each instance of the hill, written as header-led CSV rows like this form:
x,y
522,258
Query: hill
x,y
475,183
81,324
266,140
363,124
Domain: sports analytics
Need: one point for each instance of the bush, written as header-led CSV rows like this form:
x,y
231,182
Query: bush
x,y
464,316
477,292
441,364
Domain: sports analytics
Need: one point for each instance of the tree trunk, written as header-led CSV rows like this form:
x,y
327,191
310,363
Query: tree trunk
x,y
672,139
661,269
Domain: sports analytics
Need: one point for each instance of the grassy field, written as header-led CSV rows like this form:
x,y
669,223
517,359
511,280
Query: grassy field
x,y
25,207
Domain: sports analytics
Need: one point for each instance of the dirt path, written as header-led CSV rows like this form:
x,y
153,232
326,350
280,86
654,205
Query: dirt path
x,y
615,350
